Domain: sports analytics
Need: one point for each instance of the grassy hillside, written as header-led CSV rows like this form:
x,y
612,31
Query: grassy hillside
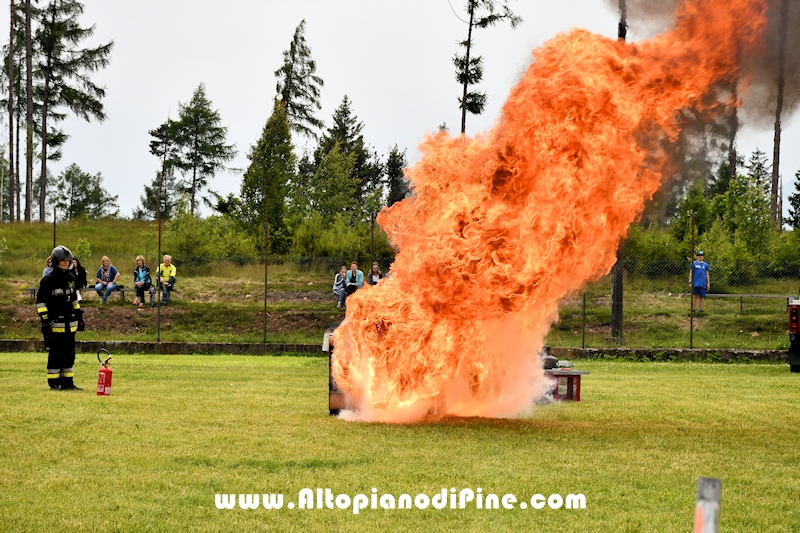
x,y
28,245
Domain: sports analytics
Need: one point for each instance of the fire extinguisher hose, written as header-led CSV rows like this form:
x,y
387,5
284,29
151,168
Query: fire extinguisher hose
x,y
103,363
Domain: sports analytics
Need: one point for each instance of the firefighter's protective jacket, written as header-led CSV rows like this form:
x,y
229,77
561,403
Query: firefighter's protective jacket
x,y
57,302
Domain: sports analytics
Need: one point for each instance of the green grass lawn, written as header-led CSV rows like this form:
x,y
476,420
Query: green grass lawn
x,y
180,429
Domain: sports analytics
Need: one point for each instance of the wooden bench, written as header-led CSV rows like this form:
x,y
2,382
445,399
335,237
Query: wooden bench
x,y
32,291
121,291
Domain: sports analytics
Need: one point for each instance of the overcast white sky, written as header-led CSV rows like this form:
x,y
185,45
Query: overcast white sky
x,y
391,57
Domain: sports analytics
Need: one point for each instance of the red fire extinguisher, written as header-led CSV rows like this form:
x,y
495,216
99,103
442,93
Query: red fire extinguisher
x,y
104,376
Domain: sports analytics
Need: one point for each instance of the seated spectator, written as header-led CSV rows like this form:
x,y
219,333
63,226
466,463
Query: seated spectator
x,y
141,280
375,274
48,266
339,286
80,274
165,279
354,280
107,276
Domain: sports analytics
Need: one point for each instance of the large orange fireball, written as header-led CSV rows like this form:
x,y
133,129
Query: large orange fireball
x,y
504,225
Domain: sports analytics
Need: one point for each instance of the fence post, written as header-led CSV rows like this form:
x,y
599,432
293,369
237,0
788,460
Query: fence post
x,y
691,292
583,332
266,278
617,294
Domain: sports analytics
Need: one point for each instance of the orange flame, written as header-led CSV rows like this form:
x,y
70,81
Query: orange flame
x,y
504,225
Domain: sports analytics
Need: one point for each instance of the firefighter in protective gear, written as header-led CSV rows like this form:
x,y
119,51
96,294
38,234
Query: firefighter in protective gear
x,y
61,316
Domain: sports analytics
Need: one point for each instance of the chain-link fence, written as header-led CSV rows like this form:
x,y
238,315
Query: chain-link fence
x,y
746,307
223,299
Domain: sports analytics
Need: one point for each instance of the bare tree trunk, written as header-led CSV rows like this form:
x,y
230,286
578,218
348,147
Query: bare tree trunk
x,y
28,114
43,178
776,154
466,75
194,189
11,182
16,172
733,124
622,30
617,271
45,110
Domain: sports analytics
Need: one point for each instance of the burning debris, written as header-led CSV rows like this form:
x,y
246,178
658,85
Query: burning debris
x,y
504,225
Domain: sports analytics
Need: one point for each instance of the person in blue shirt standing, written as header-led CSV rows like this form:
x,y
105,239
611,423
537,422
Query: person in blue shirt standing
x,y
700,278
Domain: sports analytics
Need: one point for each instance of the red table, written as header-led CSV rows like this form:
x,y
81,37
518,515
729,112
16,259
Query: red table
x,y
573,382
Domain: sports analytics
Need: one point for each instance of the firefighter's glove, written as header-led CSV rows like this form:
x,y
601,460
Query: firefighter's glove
x,y
47,330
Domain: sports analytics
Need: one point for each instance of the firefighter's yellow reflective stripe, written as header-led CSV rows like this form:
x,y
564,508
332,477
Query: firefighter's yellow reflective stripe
x,y
41,308
53,376
43,316
67,374
58,330
76,305
73,329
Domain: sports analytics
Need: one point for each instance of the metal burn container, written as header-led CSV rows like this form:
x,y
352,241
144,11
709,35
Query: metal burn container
x,y
338,400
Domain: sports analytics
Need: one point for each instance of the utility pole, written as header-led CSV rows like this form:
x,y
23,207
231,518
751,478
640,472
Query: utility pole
x,y
158,257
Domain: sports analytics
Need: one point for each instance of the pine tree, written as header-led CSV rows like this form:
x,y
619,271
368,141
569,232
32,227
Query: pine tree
x,y
265,183
298,87
79,193
166,192
469,68
330,191
794,204
398,185
345,131
758,171
64,70
200,137
163,145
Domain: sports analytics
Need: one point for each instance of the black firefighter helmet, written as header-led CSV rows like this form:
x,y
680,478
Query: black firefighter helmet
x,y
59,253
